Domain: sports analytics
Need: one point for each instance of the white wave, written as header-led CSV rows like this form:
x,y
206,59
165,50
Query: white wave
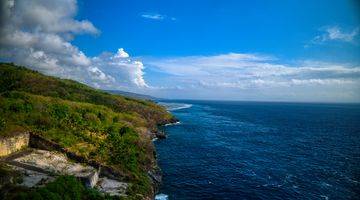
x,y
181,107
175,106
161,197
171,124
324,197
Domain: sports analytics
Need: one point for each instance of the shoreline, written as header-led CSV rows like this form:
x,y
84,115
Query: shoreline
x,y
156,173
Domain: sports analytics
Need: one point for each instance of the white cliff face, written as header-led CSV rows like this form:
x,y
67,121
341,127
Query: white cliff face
x,y
56,163
32,178
112,187
39,167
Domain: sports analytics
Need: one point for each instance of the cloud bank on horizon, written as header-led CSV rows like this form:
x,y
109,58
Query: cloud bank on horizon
x,y
39,34
258,77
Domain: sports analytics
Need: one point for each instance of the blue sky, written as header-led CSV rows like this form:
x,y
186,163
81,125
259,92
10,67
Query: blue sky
x,y
232,50
209,27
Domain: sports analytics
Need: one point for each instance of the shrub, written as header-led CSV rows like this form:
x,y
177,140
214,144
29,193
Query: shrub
x,y
41,121
2,123
59,111
92,120
17,106
123,149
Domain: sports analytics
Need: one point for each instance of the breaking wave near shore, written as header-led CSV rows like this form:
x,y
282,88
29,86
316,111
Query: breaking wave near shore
x,y
161,197
175,106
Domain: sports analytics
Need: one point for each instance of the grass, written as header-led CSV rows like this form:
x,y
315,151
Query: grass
x,y
22,79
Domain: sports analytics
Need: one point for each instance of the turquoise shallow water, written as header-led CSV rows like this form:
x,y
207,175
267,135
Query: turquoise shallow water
x,y
245,150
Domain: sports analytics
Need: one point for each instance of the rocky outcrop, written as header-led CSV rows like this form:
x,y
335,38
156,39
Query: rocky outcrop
x,y
38,167
172,120
16,142
38,142
112,187
92,179
44,159
154,135
160,135
156,178
155,174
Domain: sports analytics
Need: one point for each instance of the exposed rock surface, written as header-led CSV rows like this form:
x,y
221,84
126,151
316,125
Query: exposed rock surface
x,y
112,187
160,135
157,135
14,143
40,166
156,177
56,163
32,178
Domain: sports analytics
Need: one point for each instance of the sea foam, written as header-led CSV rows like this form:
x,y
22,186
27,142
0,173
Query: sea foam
x,y
175,106
171,124
161,197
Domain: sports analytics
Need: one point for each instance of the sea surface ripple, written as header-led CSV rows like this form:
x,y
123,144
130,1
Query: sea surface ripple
x,y
246,150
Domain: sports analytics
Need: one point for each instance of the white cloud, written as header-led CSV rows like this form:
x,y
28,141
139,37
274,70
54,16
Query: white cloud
x,y
244,75
121,53
49,16
126,71
335,33
156,16
153,16
38,34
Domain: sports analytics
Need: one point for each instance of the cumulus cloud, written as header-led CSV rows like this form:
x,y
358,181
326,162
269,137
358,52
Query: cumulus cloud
x,y
38,34
126,70
335,33
243,75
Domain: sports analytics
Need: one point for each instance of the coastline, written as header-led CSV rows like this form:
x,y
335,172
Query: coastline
x,y
160,134
156,174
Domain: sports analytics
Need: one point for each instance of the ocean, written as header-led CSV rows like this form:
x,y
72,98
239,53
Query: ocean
x,y
253,150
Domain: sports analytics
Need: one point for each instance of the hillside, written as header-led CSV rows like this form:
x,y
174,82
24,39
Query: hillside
x,y
101,127
132,95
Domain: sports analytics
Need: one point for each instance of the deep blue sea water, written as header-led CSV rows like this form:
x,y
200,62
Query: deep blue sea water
x,y
247,150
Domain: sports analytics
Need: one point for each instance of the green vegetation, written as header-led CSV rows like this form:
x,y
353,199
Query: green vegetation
x,y
98,126
22,79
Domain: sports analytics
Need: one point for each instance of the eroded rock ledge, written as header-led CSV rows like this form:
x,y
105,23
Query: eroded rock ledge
x,y
39,161
39,167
